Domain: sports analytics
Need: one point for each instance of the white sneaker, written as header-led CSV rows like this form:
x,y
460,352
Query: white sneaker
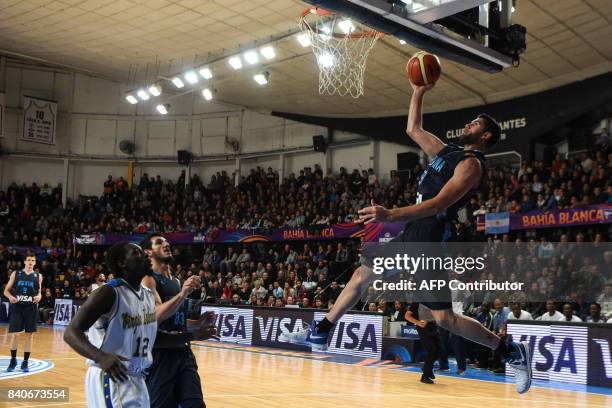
x,y
519,362
308,336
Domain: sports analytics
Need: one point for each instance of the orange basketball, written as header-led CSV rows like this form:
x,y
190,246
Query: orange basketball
x,y
423,68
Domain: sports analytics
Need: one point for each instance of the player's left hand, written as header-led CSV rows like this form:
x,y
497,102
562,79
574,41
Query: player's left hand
x,y
191,284
374,213
205,327
37,299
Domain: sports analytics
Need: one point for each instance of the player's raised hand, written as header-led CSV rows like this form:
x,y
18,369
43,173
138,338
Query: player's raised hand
x,y
374,213
421,88
191,284
112,364
205,327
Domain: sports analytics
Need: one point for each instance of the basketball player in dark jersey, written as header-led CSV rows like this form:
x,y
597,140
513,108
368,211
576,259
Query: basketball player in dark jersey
x,y
23,290
454,174
173,377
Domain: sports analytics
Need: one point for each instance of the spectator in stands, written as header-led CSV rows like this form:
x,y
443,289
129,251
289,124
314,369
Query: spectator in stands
x,y
517,313
568,314
305,302
595,315
551,315
259,291
500,316
398,312
100,280
605,300
46,307
372,307
334,291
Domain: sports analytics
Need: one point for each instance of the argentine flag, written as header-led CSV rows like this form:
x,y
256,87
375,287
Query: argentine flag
x,y
497,223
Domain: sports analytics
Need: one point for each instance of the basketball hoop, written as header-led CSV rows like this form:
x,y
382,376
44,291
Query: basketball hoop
x,y
340,49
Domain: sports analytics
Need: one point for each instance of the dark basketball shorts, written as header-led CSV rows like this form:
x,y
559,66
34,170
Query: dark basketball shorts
x,y
173,379
423,230
23,317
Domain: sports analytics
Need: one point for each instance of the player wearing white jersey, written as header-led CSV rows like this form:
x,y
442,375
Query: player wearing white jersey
x,y
121,321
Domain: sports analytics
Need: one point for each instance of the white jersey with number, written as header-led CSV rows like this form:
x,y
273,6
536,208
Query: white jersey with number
x,y
127,330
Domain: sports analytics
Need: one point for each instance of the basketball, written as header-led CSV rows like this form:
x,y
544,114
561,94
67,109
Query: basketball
x,y
423,68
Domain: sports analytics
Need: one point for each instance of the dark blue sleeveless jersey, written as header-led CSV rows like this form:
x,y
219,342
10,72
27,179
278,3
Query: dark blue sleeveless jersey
x,y
25,287
167,289
439,172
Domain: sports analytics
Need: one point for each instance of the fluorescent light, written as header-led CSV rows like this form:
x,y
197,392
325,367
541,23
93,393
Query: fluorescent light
x,y
402,42
155,90
235,62
346,26
304,40
142,94
326,60
268,52
206,73
513,9
191,77
131,99
207,94
251,57
261,78
162,109
177,82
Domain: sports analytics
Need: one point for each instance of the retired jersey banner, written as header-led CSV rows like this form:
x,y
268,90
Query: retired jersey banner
x,y
570,217
39,118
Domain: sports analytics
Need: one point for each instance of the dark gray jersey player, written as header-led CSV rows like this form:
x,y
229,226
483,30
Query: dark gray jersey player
x,y
454,174
23,291
173,377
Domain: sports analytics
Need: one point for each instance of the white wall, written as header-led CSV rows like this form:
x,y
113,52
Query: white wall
x,y
94,118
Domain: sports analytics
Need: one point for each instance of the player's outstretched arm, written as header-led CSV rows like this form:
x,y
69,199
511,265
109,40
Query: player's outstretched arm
x,y
467,175
100,302
428,142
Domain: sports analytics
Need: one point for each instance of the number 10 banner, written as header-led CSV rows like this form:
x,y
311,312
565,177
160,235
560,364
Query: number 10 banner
x,y
39,117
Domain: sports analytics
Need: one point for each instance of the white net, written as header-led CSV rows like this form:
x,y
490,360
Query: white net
x,y
340,50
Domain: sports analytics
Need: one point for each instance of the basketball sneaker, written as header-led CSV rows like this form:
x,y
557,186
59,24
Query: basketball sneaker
x,y
12,365
519,362
308,336
24,366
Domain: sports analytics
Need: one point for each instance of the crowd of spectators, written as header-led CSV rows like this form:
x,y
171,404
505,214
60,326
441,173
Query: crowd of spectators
x,y
307,273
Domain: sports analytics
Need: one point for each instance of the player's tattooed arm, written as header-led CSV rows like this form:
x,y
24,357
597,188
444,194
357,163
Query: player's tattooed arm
x,y
38,296
99,303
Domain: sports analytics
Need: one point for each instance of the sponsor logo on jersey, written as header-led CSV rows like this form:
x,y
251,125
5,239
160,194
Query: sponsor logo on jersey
x,y
129,322
24,298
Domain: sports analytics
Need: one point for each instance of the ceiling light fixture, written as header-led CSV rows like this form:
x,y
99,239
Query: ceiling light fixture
x,y
207,94
155,90
178,82
131,99
206,73
268,52
262,78
191,77
251,57
304,40
163,109
235,62
142,94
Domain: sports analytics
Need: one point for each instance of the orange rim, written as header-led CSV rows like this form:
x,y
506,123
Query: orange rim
x,y
323,12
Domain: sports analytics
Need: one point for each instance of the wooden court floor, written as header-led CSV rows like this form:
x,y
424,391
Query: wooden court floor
x,y
246,379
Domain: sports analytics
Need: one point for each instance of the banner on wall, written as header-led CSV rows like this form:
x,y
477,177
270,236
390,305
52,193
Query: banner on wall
x,y
39,120
578,353
234,325
369,233
354,334
588,215
65,310
2,104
